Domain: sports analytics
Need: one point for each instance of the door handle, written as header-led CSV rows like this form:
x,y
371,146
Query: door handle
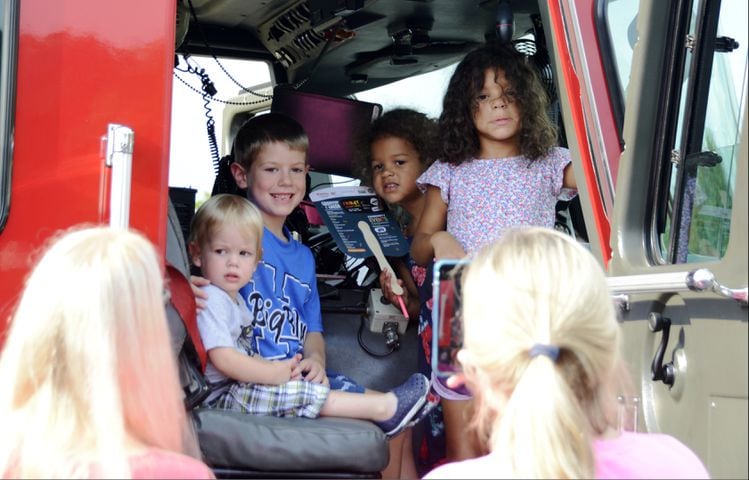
x,y
119,157
661,372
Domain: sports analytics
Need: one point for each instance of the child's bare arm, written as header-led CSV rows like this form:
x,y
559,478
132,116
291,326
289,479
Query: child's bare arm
x,y
569,177
243,368
446,246
433,219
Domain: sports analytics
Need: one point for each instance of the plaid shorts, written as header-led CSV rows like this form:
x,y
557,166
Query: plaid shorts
x,y
296,398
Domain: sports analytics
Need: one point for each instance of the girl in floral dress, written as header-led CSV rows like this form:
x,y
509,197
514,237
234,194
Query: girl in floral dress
x,y
499,168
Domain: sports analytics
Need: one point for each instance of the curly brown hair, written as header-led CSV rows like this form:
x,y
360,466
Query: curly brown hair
x,y
412,126
459,140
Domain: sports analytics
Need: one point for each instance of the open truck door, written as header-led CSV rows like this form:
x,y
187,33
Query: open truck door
x,y
85,124
678,212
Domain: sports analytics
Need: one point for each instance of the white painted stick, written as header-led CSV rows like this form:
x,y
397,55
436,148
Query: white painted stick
x,y
374,245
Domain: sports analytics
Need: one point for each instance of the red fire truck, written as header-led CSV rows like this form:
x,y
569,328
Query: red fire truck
x,y
650,97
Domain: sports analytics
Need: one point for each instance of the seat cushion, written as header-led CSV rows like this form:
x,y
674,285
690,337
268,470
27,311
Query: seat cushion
x,y
237,440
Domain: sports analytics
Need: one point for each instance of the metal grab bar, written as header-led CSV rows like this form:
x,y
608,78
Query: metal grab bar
x,y
699,280
702,279
119,158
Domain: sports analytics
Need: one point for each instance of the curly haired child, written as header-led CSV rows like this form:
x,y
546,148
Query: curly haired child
x,y
396,149
499,169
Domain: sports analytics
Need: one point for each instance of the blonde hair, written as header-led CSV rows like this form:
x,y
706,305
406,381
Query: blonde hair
x,y
87,371
538,414
226,210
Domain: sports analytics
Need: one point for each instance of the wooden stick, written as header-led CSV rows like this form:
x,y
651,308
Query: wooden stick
x,y
374,246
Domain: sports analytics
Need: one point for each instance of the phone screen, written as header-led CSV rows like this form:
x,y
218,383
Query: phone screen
x,y
447,322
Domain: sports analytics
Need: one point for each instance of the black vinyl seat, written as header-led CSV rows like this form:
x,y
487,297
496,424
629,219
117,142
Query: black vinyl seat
x,y
230,441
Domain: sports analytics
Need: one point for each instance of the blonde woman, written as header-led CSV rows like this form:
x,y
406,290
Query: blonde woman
x,y
89,381
542,361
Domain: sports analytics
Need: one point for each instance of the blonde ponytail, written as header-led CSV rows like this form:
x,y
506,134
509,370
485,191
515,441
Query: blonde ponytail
x,y
539,354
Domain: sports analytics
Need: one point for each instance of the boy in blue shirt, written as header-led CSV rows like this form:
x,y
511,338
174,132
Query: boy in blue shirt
x,y
270,164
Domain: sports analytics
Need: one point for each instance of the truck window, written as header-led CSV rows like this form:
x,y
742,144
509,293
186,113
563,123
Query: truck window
x,y
423,93
621,26
8,46
190,163
191,155
702,176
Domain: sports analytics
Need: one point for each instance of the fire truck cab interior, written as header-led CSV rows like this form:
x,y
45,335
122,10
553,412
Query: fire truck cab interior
x,y
649,96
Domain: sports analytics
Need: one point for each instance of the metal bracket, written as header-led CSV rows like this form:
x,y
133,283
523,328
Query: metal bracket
x,y
621,300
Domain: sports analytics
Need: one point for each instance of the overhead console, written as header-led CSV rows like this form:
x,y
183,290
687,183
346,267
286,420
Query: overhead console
x,y
303,32
341,47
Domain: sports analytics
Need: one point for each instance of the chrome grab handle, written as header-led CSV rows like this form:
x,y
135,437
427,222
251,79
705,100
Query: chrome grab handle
x,y
119,158
702,279
699,280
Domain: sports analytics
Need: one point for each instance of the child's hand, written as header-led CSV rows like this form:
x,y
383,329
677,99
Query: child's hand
x,y
458,379
387,291
200,296
286,368
312,371
446,246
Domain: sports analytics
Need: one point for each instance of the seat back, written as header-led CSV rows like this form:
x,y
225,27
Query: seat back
x,y
181,317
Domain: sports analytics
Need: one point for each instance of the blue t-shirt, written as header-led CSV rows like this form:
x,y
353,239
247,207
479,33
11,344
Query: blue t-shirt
x,y
282,297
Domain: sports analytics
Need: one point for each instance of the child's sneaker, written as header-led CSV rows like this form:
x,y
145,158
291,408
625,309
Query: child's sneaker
x,y
430,404
411,396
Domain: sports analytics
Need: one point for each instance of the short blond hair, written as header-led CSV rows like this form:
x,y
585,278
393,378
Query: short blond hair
x,y
88,366
539,415
226,210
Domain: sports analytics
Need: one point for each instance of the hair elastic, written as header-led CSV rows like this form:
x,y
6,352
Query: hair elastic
x,y
551,351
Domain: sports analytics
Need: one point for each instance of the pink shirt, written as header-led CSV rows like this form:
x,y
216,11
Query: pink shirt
x,y
156,463
651,455
631,455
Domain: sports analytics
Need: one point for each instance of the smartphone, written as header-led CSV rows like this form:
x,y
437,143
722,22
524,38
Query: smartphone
x,y
447,322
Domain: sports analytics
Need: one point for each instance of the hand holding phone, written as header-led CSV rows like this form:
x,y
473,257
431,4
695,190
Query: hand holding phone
x,y
447,322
